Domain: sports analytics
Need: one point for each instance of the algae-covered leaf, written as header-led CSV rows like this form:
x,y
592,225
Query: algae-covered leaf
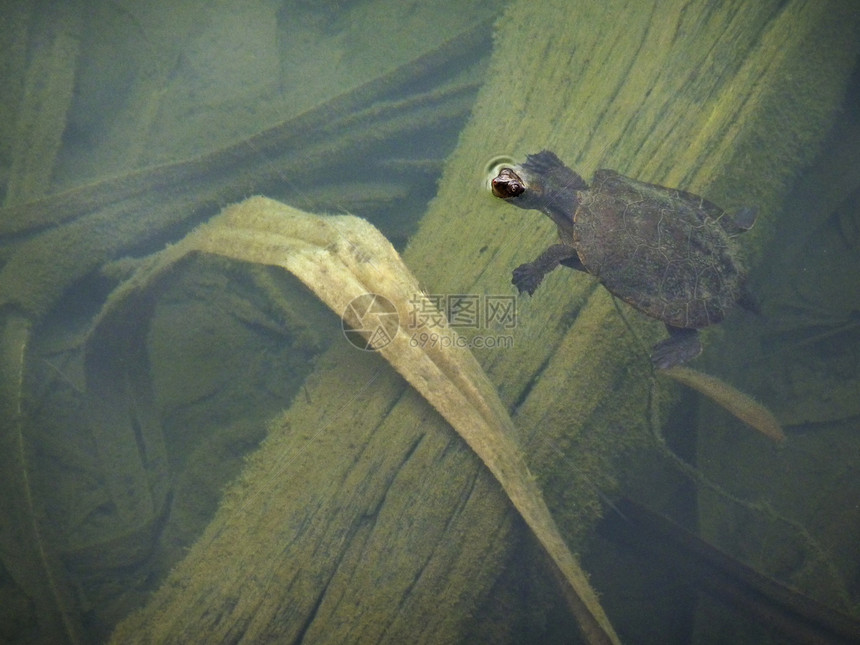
x,y
342,258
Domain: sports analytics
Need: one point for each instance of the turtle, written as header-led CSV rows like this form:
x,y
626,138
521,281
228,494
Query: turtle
x,y
667,252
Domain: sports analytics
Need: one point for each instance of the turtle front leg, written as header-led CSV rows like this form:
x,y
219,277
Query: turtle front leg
x,y
681,346
528,276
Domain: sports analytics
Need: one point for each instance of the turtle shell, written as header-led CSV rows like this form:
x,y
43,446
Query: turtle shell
x,y
664,251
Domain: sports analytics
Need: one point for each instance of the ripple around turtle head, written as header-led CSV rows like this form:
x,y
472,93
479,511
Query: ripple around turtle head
x,y
494,165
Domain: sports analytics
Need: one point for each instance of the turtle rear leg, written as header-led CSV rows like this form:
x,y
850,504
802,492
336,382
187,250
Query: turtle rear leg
x,y
740,221
682,345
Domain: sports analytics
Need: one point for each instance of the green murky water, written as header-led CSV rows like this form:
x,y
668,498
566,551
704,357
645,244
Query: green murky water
x,y
124,455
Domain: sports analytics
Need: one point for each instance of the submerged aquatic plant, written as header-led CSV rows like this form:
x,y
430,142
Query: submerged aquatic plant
x,y
739,404
341,258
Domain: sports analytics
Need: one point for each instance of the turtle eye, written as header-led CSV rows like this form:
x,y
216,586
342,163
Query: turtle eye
x,y
507,184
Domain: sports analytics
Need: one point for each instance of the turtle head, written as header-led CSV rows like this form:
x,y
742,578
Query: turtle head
x,y
542,183
519,187
507,184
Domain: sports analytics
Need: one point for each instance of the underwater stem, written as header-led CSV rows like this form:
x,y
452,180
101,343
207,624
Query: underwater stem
x,y
743,406
28,557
